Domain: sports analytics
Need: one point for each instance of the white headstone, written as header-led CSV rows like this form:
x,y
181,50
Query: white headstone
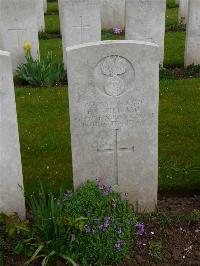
x,y
18,23
45,6
11,196
113,98
80,22
112,14
192,44
145,21
40,15
183,11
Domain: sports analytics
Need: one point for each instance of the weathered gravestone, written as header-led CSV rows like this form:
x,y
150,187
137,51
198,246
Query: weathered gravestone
x,y
183,11
80,22
113,98
45,6
40,15
112,13
18,23
11,196
192,44
145,21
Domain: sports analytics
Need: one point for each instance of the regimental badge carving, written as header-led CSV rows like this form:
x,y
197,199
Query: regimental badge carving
x,y
114,75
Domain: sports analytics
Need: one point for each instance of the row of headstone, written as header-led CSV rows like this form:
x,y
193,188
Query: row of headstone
x,y
18,23
81,21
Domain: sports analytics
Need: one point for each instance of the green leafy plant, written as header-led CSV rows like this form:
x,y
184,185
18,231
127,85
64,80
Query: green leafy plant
x,y
109,230
155,249
195,215
44,73
92,226
192,70
166,74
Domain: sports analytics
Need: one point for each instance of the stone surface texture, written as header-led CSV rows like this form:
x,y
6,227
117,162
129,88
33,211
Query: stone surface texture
x,y
113,97
183,11
40,15
18,23
112,14
80,22
11,196
145,21
192,44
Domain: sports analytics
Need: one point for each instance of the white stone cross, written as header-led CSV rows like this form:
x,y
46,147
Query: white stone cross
x,y
116,151
82,27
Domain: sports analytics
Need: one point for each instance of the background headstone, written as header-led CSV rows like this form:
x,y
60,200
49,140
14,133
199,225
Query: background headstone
x,y
11,196
45,6
192,44
183,11
145,21
80,22
113,98
40,15
112,14
18,23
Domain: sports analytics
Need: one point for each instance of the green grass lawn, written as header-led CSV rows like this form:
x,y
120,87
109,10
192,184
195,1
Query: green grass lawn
x,y
52,7
45,135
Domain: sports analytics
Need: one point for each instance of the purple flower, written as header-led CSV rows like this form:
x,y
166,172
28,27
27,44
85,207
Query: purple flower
x,y
124,196
118,245
128,222
119,230
140,229
117,30
113,204
87,213
68,194
94,230
107,190
103,227
87,229
73,237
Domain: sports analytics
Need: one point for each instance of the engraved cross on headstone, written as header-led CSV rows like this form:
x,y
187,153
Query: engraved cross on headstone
x,y
116,151
82,27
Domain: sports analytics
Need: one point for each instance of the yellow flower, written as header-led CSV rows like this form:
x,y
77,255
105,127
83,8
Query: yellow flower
x,y
27,47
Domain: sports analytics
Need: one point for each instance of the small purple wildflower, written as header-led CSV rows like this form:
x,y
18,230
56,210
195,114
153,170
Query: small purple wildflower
x,y
87,229
128,222
106,191
73,237
117,30
103,227
124,196
140,229
113,204
119,230
87,213
93,230
118,245
68,194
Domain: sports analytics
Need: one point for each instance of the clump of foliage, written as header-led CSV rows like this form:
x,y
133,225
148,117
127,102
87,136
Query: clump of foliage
x,y
155,249
93,226
166,74
107,234
42,73
192,70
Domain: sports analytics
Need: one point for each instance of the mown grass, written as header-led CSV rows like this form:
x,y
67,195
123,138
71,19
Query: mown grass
x,y
45,135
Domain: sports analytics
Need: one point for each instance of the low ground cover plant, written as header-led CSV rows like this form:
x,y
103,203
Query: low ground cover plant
x,y
93,226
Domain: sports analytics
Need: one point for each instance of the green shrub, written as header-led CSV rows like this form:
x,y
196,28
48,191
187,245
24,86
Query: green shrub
x,y
92,226
166,74
109,230
192,70
44,73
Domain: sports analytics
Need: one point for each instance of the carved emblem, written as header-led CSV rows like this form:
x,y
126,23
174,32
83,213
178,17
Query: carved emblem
x,y
113,75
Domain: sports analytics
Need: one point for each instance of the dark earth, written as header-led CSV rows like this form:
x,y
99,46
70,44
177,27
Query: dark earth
x,y
172,235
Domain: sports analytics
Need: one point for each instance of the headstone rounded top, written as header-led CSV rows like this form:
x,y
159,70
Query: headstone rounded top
x,y
102,43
